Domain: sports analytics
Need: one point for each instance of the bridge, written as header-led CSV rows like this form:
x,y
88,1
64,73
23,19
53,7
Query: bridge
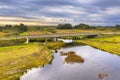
x,y
60,35
54,36
49,36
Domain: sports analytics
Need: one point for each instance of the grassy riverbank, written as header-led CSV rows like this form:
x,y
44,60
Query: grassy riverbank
x,y
54,45
12,42
15,60
109,44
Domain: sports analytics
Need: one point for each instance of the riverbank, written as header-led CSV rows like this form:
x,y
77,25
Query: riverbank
x,y
109,44
13,42
54,45
15,60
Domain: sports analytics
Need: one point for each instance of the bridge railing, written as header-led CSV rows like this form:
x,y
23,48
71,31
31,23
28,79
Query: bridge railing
x,y
46,36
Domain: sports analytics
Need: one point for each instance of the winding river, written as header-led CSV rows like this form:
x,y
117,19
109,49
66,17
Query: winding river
x,y
98,65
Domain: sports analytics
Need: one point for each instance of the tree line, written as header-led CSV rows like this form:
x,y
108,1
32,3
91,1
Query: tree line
x,y
17,28
86,26
23,28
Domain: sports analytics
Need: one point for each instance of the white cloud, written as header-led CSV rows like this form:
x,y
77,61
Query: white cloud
x,y
113,10
86,1
65,9
58,11
96,17
5,7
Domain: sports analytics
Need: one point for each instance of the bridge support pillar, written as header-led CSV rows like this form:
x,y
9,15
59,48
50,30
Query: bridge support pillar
x,y
27,40
54,39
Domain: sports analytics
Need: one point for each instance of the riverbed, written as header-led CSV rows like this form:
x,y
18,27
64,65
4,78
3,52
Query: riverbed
x,y
98,65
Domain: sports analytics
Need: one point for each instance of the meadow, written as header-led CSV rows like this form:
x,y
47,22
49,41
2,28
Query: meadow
x,y
2,34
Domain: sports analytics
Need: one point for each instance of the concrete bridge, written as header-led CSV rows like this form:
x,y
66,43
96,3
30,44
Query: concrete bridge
x,y
60,35
54,36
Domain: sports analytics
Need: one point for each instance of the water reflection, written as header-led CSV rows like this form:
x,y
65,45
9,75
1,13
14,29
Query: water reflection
x,y
102,75
66,40
97,64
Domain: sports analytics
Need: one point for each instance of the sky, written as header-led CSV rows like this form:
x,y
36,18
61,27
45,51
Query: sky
x,y
53,12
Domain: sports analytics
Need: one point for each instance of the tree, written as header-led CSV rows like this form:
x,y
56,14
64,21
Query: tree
x,y
117,27
8,27
64,26
23,28
60,26
20,28
1,29
77,27
68,26
82,26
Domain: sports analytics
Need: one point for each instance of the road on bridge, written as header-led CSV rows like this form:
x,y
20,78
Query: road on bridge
x,y
47,36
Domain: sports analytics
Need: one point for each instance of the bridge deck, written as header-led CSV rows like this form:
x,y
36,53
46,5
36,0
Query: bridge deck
x,y
47,36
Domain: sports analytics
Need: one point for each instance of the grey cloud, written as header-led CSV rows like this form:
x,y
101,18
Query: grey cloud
x,y
79,12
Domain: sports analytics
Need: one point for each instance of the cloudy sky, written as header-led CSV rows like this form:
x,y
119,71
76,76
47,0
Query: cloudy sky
x,y
52,12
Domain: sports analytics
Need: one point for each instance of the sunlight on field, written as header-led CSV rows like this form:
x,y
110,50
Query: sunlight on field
x,y
109,39
2,34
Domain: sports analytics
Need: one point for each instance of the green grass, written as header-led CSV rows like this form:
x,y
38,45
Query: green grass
x,y
54,45
114,39
15,60
109,44
24,34
12,42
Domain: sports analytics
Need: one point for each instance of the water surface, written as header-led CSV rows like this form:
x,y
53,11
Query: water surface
x,y
96,63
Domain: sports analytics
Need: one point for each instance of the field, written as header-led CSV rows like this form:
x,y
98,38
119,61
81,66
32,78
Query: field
x,y
65,31
2,34
12,42
109,44
77,31
15,60
54,45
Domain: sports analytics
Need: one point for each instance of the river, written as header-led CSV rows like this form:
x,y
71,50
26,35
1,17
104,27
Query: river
x,y
97,65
